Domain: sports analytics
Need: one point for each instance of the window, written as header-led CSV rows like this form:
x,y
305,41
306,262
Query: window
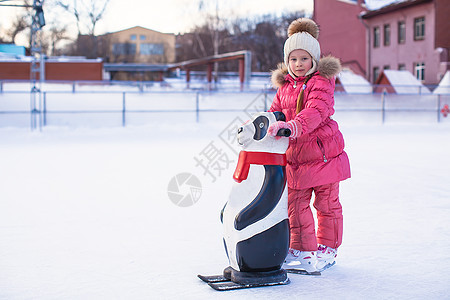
x,y
376,73
387,34
419,71
401,67
142,37
401,32
124,49
419,28
133,37
387,67
376,37
152,49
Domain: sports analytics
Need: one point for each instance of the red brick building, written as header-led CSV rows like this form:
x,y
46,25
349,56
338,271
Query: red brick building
x,y
411,35
342,33
55,69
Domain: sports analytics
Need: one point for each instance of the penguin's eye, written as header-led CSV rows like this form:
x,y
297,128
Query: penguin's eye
x,y
261,123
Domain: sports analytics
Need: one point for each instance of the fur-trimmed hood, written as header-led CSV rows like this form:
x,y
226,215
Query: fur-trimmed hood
x,y
328,67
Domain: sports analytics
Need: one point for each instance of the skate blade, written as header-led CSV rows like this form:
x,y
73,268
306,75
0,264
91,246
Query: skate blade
x,y
327,266
303,272
213,278
230,285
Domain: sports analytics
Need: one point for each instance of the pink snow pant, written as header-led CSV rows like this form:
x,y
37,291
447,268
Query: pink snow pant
x,y
329,217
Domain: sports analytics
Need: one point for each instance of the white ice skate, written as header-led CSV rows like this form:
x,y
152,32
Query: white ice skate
x,y
302,260
325,257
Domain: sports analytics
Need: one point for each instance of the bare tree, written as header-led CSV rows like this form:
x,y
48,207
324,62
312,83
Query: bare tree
x,y
20,24
55,36
213,24
263,35
73,10
95,13
86,13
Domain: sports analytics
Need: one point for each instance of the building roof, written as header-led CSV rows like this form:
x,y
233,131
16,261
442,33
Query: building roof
x,y
353,83
138,28
392,7
12,49
5,57
444,85
376,4
403,82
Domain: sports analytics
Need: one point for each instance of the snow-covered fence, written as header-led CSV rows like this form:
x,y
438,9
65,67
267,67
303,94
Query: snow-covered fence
x,y
94,106
122,108
387,107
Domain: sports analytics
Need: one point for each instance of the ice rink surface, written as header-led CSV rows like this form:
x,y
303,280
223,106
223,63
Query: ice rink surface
x,y
85,214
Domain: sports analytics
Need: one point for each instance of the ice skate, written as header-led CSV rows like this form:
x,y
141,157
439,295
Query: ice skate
x,y
304,260
325,257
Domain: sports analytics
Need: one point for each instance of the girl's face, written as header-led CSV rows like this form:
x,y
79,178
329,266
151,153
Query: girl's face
x,y
300,62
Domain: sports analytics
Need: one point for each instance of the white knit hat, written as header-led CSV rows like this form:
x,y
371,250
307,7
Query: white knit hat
x,y
303,34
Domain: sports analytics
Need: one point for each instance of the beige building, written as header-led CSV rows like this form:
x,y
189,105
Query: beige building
x,y
140,45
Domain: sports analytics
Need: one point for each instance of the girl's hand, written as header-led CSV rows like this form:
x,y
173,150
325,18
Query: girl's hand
x,y
291,125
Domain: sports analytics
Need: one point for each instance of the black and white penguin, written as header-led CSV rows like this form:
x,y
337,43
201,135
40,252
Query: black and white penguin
x,y
255,217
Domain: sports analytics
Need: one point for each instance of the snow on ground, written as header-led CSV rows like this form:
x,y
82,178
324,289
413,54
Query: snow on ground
x,y
85,214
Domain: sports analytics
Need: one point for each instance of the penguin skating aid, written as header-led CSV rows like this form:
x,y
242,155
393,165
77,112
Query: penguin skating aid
x,y
255,219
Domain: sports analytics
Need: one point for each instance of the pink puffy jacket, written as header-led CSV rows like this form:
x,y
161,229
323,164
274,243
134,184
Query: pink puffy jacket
x,y
317,157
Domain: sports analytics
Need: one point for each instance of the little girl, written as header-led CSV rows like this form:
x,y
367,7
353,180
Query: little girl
x,y
316,158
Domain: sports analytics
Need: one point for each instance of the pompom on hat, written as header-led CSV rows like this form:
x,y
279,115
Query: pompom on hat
x,y
303,34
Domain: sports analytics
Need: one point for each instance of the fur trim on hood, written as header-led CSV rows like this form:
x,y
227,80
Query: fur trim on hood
x,y
328,67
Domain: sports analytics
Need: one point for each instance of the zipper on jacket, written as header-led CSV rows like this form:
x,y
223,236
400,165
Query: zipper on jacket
x,y
322,149
336,232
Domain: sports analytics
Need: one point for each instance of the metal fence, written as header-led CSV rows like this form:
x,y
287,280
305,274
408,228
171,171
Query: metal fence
x,y
85,104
